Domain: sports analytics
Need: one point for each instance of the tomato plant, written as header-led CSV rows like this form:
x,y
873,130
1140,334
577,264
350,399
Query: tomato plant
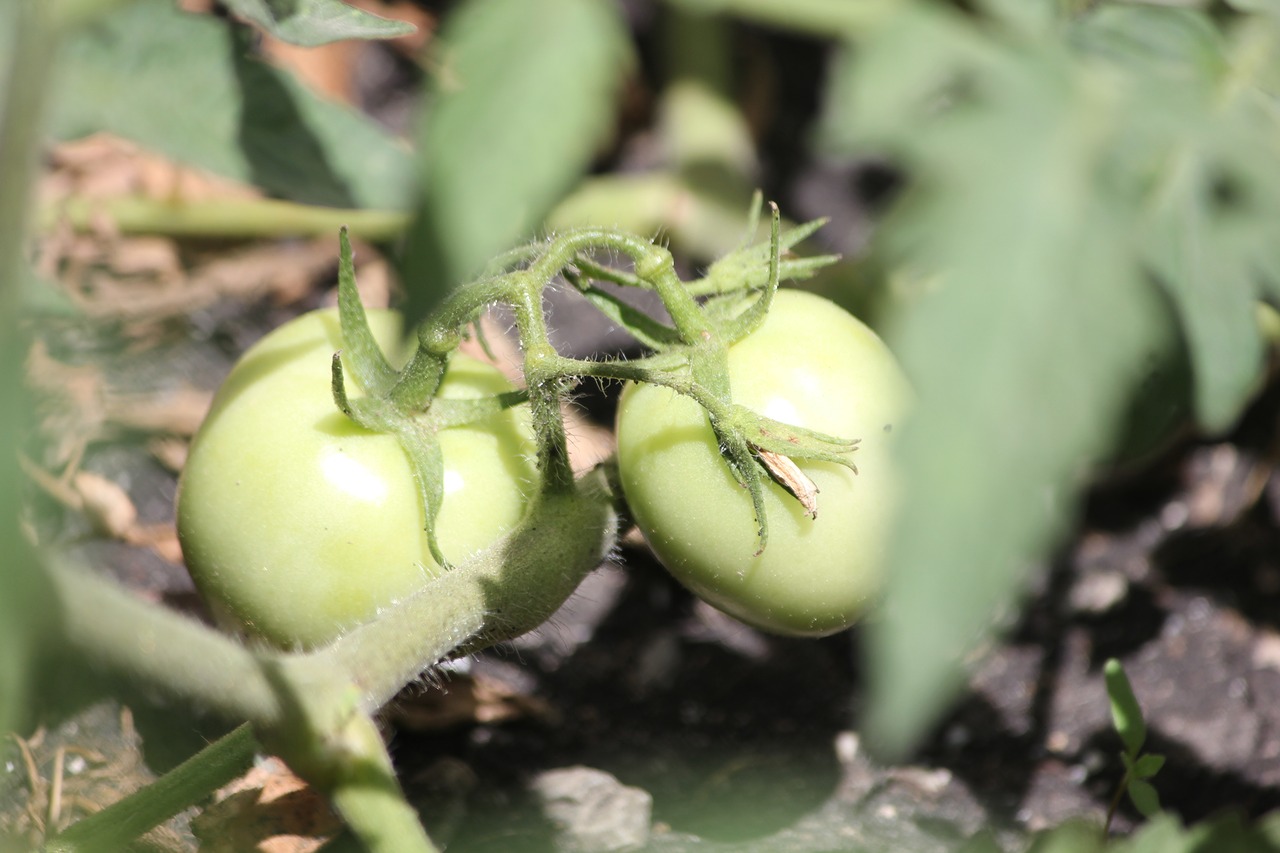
x,y
810,365
297,523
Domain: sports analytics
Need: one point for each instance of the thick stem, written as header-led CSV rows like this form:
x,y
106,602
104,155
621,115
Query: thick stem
x,y
543,382
184,786
507,589
366,793
25,603
105,625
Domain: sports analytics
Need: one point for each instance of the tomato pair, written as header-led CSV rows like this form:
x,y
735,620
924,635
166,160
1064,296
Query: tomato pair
x,y
298,524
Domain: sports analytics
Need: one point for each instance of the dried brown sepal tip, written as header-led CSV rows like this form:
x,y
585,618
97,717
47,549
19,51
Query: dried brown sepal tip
x,y
786,473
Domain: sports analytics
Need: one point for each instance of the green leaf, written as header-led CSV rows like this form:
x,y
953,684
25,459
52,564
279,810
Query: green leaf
x,y
1201,153
1148,766
1162,834
183,86
821,18
922,57
1024,349
1144,797
1126,713
1074,194
525,95
314,22
1075,836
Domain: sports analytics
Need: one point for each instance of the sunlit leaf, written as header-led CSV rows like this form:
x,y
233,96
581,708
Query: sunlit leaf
x,y
314,22
183,86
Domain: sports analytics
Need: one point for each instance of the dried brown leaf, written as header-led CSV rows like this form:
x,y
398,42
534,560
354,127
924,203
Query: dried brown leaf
x,y
786,473
268,810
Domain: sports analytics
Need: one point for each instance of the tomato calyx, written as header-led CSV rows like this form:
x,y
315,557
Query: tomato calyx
x,y
402,402
690,356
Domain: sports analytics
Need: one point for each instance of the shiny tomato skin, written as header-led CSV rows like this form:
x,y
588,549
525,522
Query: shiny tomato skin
x,y
813,365
297,524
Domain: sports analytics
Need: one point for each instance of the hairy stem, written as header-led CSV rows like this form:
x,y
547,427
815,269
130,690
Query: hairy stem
x,y
368,796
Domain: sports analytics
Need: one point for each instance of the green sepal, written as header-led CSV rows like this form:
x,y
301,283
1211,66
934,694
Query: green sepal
x,y
793,441
746,469
417,439
599,272
648,331
366,359
747,268
446,413
753,317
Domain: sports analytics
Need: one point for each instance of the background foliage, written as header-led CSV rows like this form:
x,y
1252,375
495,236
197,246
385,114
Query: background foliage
x,y
1074,262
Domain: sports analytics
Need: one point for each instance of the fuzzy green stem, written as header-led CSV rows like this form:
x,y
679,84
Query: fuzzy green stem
x,y
544,384
368,796
313,707
107,626
228,218
187,784
507,589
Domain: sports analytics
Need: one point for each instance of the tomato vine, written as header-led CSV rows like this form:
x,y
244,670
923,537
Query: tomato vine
x,y
315,707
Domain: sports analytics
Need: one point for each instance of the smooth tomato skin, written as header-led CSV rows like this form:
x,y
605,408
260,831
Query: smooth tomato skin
x,y
297,524
810,364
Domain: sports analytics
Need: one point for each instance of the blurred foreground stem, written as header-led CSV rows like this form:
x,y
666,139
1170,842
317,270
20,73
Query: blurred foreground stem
x,y
25,603
227,218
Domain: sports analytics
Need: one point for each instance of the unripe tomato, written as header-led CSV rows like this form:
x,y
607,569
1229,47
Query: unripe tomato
x,y
297,524
812,365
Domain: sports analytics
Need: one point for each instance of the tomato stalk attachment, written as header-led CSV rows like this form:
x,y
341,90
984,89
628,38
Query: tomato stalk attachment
x,y
690,356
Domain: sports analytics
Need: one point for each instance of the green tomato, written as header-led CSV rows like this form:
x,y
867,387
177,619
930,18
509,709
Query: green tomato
x,y
810,364
297,524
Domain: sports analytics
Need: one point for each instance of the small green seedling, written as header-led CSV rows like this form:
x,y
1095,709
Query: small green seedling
x,y
1138,768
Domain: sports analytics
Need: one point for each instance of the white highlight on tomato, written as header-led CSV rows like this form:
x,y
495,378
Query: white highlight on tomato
x,y
353,477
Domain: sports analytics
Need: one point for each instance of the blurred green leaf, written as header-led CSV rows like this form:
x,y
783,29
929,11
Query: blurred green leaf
x,y
1071,837
1055,176
1144,797
27,606
1197,115
1148,766
822,18
1126,713
1162,834
1023,350
525,95
185,86
314,22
